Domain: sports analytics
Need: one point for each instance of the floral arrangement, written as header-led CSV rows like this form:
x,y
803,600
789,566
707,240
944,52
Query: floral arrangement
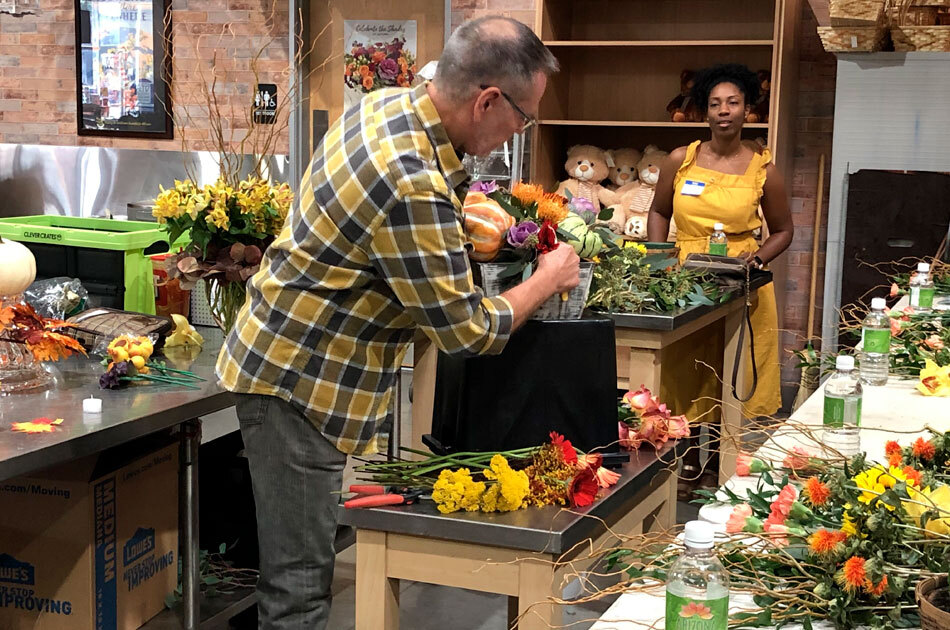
x,y
644,419
128,360
379,65
534,222
555,473
633,280
900,280
845,542
20,323
228,227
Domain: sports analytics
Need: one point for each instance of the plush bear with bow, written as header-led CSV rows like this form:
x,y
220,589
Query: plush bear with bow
x,y
634,205
587,166
623,168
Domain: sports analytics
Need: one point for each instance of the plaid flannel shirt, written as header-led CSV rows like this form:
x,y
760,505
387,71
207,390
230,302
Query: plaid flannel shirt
x,y
373,250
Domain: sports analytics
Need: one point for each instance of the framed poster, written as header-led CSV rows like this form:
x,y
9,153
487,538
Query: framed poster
x,y
377,54
123,64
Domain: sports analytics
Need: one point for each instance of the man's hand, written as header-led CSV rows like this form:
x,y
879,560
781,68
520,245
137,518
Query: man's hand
x,y
560,269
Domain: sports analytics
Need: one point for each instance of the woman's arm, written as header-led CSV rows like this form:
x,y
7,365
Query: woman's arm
x,y
777,217
661,211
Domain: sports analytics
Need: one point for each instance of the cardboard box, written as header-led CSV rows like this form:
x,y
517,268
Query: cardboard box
x,y
90,545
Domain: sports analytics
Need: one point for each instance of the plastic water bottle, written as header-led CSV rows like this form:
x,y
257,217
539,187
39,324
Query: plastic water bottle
x,y
697,587
718,243
922,289
876,345
842,414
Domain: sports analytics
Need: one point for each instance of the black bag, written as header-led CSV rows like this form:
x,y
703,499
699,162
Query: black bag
x,y
735,276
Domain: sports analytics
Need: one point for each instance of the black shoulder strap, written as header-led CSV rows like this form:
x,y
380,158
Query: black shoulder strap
x,y
746,324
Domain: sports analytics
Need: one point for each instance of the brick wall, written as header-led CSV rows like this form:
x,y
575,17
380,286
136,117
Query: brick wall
x,y
38,69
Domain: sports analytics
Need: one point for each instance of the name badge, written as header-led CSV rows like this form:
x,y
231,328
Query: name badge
x,y
692,188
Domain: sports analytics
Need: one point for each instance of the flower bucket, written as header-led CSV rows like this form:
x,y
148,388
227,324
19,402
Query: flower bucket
x,y
931,616
554,307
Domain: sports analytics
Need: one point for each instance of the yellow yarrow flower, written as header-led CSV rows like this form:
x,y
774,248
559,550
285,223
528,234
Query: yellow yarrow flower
x,y
509,491
456,490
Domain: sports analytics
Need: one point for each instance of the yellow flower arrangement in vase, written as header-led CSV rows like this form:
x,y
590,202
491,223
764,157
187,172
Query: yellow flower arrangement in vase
x,y
228,229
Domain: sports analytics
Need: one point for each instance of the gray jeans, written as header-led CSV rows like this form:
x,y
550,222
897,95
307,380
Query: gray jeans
x,y
294,470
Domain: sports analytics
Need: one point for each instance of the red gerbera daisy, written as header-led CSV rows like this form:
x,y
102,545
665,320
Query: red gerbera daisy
x,y
570,454
816,491
583,488
924,449
853,575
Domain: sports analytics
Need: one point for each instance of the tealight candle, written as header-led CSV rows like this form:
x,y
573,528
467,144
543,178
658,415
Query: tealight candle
x,y
92,405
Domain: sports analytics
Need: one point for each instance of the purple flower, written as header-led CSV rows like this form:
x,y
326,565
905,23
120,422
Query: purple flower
x,y
111,379
525,234
486,188
584,209
388,69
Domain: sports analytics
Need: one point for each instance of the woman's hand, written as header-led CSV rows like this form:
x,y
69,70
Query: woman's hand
x,y
752,259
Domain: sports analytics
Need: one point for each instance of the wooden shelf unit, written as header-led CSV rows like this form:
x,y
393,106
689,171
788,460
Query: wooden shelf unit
x,y
656,43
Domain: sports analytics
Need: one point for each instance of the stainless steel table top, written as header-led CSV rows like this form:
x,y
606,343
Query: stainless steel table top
x,y
545,530
674,319
127,414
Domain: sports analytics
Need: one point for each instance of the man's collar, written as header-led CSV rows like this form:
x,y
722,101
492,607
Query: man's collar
x,y
450,161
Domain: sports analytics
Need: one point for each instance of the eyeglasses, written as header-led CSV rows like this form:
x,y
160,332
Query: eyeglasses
x,y
529,121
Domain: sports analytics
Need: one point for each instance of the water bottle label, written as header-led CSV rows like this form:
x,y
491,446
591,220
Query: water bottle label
x,y
927,297
915,297
719,249
877,341
837,411
683,613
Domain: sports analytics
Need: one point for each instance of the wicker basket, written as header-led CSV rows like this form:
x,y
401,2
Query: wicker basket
x,y
907,38
856,12
931,617
853,38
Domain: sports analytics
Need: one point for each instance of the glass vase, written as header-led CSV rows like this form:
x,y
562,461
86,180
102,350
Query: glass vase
x,y
225,299
20,372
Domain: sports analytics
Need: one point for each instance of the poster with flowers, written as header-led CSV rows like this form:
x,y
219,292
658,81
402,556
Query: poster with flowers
x,y
377,54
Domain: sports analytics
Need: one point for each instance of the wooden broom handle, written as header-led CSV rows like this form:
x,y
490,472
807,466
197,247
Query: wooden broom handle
x,y
819,200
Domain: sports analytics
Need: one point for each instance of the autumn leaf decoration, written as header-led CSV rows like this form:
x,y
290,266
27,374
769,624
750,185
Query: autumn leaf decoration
x,y
37,425
19,323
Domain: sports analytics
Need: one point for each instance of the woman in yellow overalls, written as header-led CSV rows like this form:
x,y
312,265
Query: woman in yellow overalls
x,y
724,180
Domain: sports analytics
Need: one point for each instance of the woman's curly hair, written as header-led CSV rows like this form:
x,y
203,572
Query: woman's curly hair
x,y
737,74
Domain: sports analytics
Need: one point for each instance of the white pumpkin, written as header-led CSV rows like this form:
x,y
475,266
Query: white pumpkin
x,y
17,267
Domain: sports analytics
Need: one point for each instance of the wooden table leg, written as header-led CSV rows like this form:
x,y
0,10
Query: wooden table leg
x,y
646,368
425,356
377,595
667,515
731,428
535,586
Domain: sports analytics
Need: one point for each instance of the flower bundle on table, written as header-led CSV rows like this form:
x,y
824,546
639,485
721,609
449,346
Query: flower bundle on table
x,y
847,542
128,360
374,66
20,323
551,474
644,419
514,227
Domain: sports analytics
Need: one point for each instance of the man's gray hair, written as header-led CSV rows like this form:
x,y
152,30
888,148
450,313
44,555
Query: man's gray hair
x,y
496,51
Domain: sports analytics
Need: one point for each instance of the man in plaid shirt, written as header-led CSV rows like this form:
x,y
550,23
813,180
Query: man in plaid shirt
x,y
373,251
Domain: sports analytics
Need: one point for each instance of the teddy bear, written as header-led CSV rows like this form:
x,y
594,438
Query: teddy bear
x,y
623,167
587,166
759,113
630,213
683,107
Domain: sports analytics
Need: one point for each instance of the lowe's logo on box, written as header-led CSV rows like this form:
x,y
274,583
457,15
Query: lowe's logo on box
x,y
141,543
16,572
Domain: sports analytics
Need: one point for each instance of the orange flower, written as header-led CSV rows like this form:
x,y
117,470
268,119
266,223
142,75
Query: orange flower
x,y
350,67
402,81
826,542
364,71
853,575
924,449
552,207
527,193
378,56
934,342
6,316
368,83
892,447
913,475
879,589
413,68
816,491
402,64
894,459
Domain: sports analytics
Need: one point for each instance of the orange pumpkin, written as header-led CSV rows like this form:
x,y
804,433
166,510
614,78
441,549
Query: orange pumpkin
x,y
485,224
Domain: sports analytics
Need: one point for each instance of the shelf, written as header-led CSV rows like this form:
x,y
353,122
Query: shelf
x,y
563,43
215,614
637,123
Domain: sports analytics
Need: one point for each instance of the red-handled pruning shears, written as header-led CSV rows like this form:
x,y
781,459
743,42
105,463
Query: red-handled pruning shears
x,y
377,496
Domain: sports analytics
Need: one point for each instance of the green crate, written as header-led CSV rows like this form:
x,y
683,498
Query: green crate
x,y
132,242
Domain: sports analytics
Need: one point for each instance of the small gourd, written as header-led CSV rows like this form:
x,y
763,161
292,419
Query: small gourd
x,y
485,224
17,267
585,242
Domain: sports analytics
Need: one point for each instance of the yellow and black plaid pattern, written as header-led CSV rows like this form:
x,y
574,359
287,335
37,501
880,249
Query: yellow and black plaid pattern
x,y
373,250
